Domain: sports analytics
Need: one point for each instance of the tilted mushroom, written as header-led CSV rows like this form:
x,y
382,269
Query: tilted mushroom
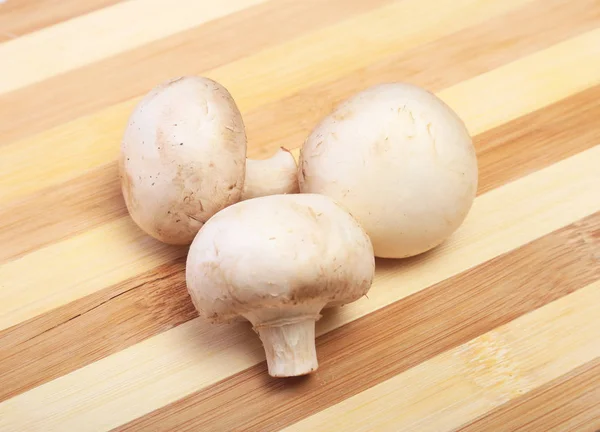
x,y
400,160
183,158
277,261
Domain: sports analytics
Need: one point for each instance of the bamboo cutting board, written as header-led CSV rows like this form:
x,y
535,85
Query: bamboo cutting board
x,y
498,329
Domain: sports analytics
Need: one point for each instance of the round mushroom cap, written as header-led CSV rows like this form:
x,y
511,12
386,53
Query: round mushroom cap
x,y
182,158
400,160
278,251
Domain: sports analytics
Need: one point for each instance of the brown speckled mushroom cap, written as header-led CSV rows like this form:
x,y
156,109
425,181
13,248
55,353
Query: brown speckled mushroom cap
x,y
277,261
277,252
182,158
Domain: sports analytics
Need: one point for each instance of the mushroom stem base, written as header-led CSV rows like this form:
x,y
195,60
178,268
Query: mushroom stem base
x,y
290,348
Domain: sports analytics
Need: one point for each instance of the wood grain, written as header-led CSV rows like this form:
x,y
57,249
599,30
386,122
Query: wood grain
x,y
143,306
461,56
25,228
541,138
570,402
97,266
54,50
92,328
416,328
104,266
500,364
97,136
121,234
20,17
196,354
496,329
119,77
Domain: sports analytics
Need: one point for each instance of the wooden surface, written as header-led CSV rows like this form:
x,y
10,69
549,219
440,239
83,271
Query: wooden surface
x,y
498,329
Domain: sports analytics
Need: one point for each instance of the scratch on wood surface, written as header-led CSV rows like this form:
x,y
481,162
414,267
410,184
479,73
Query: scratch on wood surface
x,y
489,364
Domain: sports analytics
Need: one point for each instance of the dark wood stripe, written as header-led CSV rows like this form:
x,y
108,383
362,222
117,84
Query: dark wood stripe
x,y
28,345
568,403
89,329
538,139
19,17
391,340
56,213
57,100
506,153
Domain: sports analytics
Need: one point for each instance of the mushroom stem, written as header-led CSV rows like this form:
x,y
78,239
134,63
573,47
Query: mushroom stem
x,y
290,348
273,176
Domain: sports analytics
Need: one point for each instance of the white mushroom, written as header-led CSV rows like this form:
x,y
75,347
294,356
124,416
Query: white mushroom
x,y
183,158
400,160
271,176
277,261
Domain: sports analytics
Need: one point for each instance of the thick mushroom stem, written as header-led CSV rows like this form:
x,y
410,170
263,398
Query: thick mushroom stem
x,y
290,348
288,337
273,176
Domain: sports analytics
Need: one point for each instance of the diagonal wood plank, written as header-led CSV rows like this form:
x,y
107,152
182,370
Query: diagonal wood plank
x,y
26,229
570,402
544,75
25,16
394,339
439,17
104,334
195,355
467,381
461,55
537,140
98,262
100,266
84,90
137,307
97,136
94,327
75,43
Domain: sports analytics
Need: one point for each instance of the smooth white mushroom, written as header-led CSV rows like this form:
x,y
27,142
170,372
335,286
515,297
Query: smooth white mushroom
x,y
400,160
272,176
183,158
277,261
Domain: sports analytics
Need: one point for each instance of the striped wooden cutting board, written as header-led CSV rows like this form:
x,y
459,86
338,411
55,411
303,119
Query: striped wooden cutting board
x,y
498,329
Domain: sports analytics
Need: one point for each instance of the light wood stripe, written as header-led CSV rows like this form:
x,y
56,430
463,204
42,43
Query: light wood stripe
x,y
24,228
276,124
119,388
88,89
571,402
137,306
25,16
324,52
558,73
55,50
111,320
324,56
543,74
367,352
104,256
469,380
